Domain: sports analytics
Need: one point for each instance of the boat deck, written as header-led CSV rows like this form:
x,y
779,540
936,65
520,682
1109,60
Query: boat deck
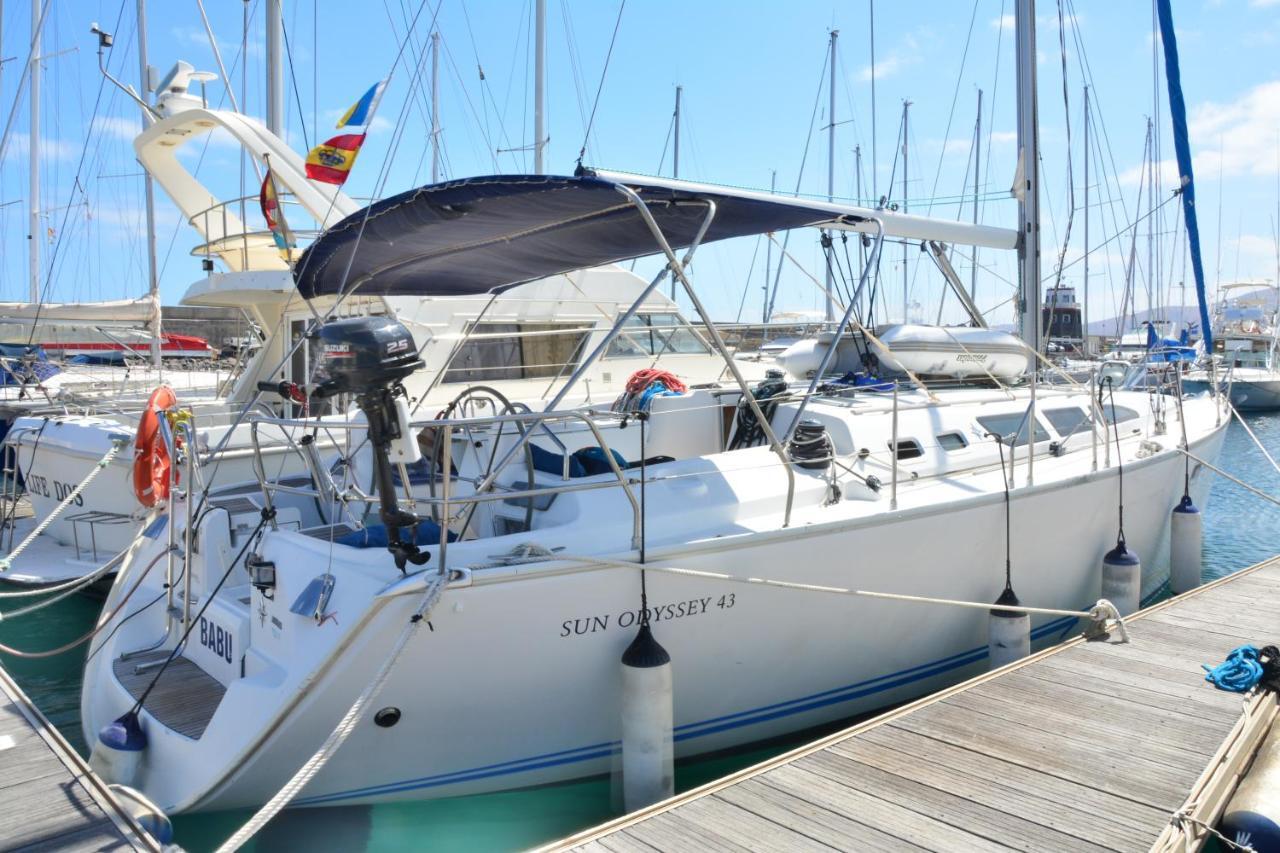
x,y
1085,746
184,699
49,798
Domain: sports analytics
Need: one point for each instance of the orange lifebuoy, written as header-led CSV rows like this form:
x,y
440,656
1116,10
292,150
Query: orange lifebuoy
x,y
150,456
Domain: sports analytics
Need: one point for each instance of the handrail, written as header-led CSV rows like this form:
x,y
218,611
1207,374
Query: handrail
x,y
537,420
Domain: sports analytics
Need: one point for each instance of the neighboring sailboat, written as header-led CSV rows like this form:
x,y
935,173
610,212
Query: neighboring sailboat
x,y
1244,356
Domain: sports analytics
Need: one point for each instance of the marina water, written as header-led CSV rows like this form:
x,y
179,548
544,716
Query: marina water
x,y
1240,529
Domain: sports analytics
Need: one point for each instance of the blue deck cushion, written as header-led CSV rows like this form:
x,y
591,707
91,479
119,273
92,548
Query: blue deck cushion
x,y
375,536
586,462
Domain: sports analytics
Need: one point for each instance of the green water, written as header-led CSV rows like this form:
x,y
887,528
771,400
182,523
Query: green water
x,y
1239,530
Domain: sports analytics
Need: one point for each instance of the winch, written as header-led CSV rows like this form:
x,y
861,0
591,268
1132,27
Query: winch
x,y
368,357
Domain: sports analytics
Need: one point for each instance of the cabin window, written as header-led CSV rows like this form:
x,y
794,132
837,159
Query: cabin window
x,y
1122,414
497,351
1069,420
952,441
646,335
908,448
1006,425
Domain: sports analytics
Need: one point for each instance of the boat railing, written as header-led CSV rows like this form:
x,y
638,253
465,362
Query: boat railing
x,y
228,234
446,503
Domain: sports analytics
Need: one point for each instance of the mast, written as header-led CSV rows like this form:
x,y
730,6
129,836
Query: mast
x,y
539,82
1152,284
675,160
906,106
435,106
275,68
831,166
768,254
33,150
875,161
1029,190
1084,300
153,281
977,163
857,193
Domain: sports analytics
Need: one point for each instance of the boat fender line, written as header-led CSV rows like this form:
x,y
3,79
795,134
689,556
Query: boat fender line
x,y
1122,578
61,591
1121,568
648,774
117,445
346,725
1186,538
1182,818
1241,483
1008,631
117,755
101,624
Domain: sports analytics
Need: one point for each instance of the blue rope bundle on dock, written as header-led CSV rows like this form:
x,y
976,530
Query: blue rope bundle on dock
x,y
1239,673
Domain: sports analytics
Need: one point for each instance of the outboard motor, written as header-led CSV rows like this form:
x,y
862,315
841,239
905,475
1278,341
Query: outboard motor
x,y
368,357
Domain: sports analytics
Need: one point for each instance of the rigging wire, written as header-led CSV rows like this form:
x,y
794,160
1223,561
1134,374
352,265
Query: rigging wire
x,y
297,95
600,88
955,96
76,186
804,159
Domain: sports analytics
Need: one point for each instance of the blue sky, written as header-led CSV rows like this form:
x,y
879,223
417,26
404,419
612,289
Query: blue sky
x,y
751,74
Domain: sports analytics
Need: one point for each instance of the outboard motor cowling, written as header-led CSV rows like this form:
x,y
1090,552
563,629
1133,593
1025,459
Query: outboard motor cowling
x,y
368,357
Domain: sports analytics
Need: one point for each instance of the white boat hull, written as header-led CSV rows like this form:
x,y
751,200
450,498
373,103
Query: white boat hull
x,y
514,680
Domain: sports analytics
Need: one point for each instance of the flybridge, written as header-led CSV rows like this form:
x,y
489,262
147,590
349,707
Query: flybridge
x,y
486,234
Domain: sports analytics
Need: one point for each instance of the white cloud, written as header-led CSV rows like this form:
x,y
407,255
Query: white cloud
x,y
886,67
1167,170
197,37
1241,135
1004,22
50,149
117,127
1264,4
1004,137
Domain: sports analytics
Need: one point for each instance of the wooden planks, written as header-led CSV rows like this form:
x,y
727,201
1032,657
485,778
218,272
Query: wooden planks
x,y
1087,746
185,698
49,799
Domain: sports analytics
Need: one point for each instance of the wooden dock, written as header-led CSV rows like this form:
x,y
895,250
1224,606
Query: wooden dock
x,y
49,798
1084,746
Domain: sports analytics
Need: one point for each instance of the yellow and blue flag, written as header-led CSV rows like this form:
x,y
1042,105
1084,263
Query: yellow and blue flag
x,y
361,112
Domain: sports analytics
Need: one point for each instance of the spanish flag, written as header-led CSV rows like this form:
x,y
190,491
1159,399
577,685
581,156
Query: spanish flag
x,y
269,199
331,161
361,112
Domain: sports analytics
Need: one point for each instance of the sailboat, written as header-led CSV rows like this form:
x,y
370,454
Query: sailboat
x,y
1244,357
478,616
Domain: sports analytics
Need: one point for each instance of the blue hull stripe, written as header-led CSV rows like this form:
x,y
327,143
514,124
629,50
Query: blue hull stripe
x,y
698,729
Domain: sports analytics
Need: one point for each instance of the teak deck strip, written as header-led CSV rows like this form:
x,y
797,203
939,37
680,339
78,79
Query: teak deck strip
x,y
49,798
1084,746
184,699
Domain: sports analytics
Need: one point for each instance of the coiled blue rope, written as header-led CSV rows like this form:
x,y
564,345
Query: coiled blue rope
x,y
1239,673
